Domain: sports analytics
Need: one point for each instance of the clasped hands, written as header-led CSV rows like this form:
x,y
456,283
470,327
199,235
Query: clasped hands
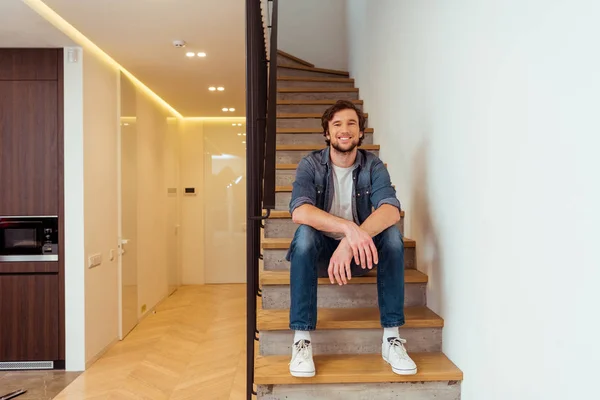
x,y
356,244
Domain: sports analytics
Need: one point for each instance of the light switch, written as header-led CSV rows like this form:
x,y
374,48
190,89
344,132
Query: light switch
x,y
111,254
94,260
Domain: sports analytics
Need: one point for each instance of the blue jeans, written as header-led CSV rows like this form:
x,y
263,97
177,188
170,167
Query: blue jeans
x,y
310,252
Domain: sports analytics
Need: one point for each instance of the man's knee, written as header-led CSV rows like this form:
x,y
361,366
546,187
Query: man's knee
x,y
306,240
391,239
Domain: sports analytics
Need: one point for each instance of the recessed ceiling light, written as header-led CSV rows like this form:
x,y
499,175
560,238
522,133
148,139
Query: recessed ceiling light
x,y
190,54
239,134
212,88
201,54
232,109
244,134
244,141
220,88
225,109
234,125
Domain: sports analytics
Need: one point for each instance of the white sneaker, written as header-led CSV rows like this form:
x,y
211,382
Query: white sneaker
x,y
302,364
395,354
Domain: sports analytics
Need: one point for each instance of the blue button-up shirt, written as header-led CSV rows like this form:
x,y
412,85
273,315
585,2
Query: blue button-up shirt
x,y
371,185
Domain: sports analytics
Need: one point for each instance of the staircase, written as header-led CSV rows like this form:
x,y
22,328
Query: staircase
x,y
347,342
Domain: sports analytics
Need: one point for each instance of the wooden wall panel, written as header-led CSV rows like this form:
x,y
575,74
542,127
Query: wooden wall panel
x,y
29,64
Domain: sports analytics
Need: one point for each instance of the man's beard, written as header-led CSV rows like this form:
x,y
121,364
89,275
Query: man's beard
x,y
343,151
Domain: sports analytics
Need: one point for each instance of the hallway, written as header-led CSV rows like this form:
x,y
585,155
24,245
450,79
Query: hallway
x,y
192,348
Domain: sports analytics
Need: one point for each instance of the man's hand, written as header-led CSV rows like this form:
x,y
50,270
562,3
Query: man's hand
x,y
363,248
339,265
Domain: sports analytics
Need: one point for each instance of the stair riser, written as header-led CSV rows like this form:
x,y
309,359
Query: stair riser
x,y
300,72
288,84
283,60
285,227
318,96
443,390
310,138
305,108
274,260
350,341
346,296
294,156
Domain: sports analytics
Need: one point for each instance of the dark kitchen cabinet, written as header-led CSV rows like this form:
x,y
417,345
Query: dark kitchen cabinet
x,y
32,309
30,317
28,148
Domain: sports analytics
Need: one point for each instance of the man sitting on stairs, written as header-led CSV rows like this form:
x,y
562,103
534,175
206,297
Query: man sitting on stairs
x,y
340,236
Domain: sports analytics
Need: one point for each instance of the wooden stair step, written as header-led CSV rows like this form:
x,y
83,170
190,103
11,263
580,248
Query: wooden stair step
x,y
285,214
312,147
313,79
348,318
312,102
270,278
284,243
313,69
294,58
316,90
304,115
355,368
316,130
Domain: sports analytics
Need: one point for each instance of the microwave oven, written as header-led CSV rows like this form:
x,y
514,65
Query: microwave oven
x,y
28,238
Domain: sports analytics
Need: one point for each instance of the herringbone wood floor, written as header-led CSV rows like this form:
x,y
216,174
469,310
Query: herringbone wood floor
x,y
192,348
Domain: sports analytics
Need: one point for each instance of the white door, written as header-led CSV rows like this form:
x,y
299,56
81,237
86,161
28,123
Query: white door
x,y
128,210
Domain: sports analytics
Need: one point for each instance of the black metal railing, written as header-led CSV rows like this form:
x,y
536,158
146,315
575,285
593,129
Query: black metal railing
x,y
261,110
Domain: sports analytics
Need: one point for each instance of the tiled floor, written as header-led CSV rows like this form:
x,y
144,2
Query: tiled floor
x,y
40,385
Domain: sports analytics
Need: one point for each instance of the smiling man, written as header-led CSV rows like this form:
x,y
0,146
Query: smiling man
x,y
347,209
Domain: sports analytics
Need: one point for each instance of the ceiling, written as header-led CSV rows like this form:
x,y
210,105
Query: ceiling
x,y
139,35
20,26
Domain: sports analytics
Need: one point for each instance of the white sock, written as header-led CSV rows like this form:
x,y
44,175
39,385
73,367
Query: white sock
x,y
390,332
299,335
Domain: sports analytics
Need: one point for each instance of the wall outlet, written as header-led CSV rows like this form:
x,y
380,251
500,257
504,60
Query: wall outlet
x,y
143,308
94,260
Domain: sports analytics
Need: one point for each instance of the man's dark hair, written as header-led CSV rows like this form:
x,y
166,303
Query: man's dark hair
x,y
339,106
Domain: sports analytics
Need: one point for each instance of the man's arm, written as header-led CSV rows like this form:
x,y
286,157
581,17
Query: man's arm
x,y
385,216
308,214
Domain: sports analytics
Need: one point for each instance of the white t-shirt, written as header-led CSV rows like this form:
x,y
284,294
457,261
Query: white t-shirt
x,y
342,196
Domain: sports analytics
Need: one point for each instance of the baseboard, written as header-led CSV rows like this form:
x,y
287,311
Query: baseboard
x,y
102,352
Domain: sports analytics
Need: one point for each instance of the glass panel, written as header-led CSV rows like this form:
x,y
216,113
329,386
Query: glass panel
x,y
225,202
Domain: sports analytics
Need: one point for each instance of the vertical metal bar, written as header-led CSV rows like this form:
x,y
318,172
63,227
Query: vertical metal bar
x,y
252,207
270,145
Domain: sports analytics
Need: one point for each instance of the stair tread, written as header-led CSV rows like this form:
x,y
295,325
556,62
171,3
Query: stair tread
x,y
294,58
304,115
316,146
284,243
314,79
348,318
268,278
355,368
314,130
313,69
285,214
316,90
312,102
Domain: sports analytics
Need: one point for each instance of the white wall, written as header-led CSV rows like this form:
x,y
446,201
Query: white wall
x,y
314,30
486,113
100,127
91,204
192,206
